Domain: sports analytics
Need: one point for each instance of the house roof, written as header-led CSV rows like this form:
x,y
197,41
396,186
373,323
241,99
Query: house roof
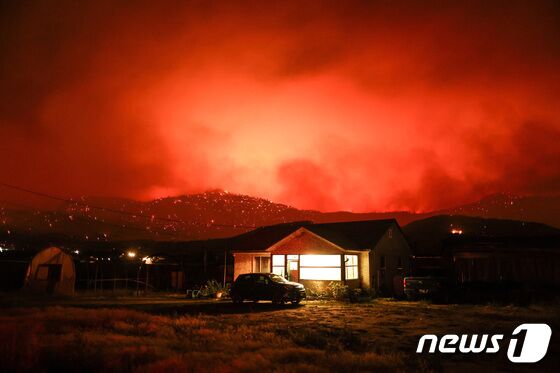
x,y
355,235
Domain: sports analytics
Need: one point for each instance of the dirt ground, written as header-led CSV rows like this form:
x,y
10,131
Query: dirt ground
x,y
173,334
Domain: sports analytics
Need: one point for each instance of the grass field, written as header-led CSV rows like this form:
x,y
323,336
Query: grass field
x,y
169,334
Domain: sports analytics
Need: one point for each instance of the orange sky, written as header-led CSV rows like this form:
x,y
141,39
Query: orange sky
x,y
349,107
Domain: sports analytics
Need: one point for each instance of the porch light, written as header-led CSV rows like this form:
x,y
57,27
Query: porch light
x,y
131,254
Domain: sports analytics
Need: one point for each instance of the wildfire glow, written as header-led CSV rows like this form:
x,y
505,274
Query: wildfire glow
x,y
350,106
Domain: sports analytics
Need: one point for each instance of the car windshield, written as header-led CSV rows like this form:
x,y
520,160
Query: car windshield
x,y
277,278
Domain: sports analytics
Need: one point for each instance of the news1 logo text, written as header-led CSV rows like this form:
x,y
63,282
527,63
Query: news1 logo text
x,y
528,343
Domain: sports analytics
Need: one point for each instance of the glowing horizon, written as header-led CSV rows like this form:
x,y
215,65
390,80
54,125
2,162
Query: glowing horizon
x,y
350,107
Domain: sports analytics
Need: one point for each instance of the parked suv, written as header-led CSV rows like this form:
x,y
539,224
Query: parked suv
x,y
432,283
266,286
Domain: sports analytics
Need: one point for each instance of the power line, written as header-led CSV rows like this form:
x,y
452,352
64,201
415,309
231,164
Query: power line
x,y
56,198
121,212
121,226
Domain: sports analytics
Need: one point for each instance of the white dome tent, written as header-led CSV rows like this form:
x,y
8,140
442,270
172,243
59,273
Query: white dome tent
x,y
52,272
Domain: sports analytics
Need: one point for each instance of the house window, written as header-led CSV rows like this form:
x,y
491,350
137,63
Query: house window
x,y
292,262
399,262
293,265
279,265
320,267
320,261
351,266
261,264
382,261
390,232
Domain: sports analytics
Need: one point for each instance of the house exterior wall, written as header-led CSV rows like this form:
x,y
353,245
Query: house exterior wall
x,y
302,243
364,268
387,280
306,243
243,263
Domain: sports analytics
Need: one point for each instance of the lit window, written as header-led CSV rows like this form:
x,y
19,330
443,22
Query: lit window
x,y
320,267
279,265
351,264
320,273
320,261
278,260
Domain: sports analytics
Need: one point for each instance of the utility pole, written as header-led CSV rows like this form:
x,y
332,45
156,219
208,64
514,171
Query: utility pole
x,y
225,265
138,279
147,274
96,270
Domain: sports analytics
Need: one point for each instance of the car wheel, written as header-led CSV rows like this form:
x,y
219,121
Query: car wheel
x,y
295,302
237,300
278,301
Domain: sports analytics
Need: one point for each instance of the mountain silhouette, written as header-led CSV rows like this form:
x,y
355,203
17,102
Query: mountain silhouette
x,y
217,213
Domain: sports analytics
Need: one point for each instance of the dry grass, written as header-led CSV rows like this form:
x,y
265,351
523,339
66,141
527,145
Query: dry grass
x,y
376,336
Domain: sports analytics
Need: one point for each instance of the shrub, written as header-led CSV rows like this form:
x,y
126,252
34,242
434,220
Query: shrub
x,y
315,292
354,295
337,290
214,287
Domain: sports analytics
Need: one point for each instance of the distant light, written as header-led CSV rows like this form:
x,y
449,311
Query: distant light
x,y
456,231
131,254
147,260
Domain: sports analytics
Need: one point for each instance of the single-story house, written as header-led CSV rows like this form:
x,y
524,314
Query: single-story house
x,y
372,254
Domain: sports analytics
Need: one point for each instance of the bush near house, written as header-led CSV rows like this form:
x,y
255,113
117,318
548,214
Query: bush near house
x,y
215,289
336,290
